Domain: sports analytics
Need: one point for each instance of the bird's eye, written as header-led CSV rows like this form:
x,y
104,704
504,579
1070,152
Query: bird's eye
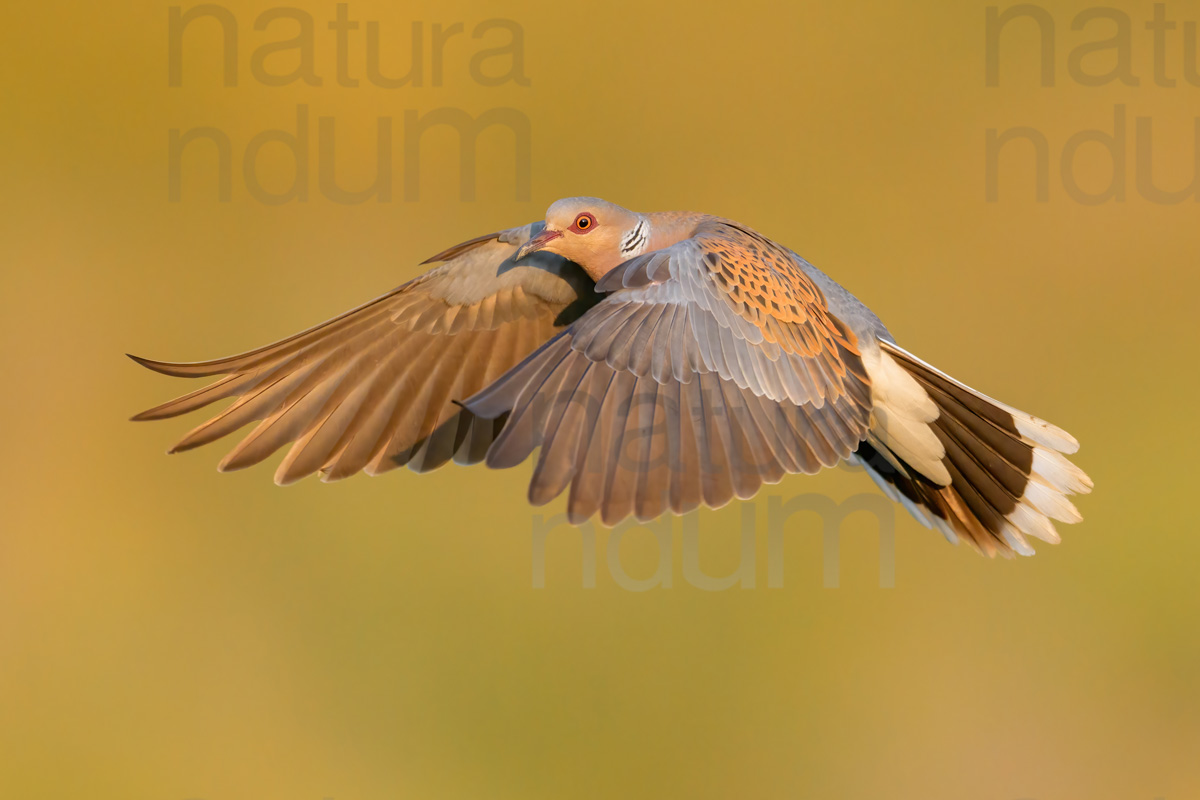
x,y
584,223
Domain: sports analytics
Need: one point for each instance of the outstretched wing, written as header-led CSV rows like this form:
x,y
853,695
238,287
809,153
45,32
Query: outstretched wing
x,y
712,367
378,387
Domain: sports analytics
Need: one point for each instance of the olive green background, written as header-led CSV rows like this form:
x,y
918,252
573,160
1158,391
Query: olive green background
x,y
167,632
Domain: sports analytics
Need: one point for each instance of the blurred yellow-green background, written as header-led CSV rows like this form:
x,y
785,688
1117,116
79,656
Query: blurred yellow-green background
x,y
167,632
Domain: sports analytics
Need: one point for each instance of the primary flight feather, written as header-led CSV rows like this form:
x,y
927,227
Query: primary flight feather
x,y
657,362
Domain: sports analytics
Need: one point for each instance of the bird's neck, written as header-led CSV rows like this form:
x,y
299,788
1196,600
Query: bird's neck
x,y
652,231
671,227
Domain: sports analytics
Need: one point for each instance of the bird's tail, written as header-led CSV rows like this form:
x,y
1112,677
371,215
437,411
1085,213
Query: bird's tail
x,y
963,463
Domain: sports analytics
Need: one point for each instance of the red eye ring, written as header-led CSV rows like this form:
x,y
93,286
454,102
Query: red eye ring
x,y
583,223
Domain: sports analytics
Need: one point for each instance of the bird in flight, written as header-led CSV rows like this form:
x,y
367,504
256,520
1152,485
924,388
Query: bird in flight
x,y
657,362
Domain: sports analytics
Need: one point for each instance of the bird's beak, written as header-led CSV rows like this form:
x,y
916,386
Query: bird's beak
x,y
538,242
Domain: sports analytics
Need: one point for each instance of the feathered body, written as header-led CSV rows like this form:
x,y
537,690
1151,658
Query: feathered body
x,y
658,362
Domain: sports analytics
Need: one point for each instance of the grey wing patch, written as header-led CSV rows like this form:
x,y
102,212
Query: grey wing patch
x,y
637,413
846,306
803,359
519,236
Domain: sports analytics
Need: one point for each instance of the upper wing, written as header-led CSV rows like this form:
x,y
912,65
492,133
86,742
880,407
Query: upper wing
x,y
714,366
377,387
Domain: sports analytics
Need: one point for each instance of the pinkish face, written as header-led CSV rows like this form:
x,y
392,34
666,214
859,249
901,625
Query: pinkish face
x,y
586,230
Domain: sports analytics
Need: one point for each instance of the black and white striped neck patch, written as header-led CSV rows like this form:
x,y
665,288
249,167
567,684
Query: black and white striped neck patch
x,y
635,241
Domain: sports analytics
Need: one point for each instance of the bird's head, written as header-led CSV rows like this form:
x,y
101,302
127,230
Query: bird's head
x,y
595,234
